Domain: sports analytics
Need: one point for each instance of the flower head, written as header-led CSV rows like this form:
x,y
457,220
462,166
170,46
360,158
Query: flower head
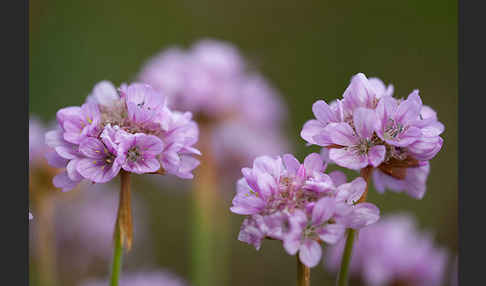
x,y
241,112
298,204
130,128
370,128
393,252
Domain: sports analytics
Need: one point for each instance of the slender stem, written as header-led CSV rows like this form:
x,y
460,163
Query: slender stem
x,y
346,259
117,259
123,228
303,274
205,196
343,278
210,224
44,248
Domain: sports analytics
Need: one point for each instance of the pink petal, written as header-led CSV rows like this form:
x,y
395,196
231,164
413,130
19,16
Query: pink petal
x,y
347,158
92,148
310,253
376,155
96,170
291,163
323,210
332,233
341,134
385,109
323,112
365,122
363,214
408,111
62,180
351,192
313,163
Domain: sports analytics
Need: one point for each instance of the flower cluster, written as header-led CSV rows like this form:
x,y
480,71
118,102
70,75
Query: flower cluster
x,y
393,252
144,278
370,128
212,80
129,128
299,204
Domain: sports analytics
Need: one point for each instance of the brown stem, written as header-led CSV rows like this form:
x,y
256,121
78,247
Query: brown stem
x,y
366,174
210,224
124,217
45,250
303,274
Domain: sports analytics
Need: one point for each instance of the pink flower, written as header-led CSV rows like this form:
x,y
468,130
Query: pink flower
x,y
211,79
392,252
396,120
139,153
358,149
298,204
130,128
370,128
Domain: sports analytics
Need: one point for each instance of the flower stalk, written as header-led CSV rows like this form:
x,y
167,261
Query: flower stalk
x,y
303,274
343,276
210,226
123,233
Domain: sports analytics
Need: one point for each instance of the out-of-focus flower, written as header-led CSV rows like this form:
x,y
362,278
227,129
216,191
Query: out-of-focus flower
x,y
37,146
241,112
370,128
455,272
143,278
392,252
298,204
130,128
83,228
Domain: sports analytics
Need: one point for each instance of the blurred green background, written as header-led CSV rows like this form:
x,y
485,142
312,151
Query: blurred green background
x,y
308,49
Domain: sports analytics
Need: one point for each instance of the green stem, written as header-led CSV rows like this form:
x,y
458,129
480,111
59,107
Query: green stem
x,y
346,259
303,274
117,259
123,228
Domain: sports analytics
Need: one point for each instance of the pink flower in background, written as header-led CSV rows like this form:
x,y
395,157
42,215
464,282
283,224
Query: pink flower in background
x,y
37,146
392,252
298,204
211,79
143,278
131,128
414,183
84,224
370,128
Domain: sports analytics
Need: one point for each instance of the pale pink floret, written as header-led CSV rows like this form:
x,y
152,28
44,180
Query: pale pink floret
x,y
298,204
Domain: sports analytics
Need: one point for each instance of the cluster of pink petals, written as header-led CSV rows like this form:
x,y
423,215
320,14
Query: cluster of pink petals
x,y
299,204
212,80
393,252
129,128
369,127
143,278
